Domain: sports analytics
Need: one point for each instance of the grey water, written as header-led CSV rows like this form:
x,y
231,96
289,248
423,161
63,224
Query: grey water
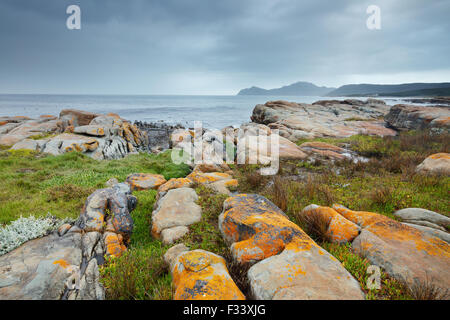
x,y
213,111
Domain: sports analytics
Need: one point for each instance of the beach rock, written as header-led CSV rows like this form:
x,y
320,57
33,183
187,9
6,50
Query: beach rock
x,y
438,163
90,130
405,253
114,244
170,235
176,208
98,136
68,142
256,143
410,117
26,144
172,253
422,215
39,269
118,201
175,183
324,118
208,177
205,168
288,263
203,275
62,230
111,182
74,118
340,230
222,186
26,129
325,150
431,231
145,181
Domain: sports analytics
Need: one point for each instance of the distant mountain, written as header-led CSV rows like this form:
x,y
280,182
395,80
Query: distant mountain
x,y
396,90
295,89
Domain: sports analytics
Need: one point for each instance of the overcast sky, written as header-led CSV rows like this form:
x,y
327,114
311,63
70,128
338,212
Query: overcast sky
x,y
218,47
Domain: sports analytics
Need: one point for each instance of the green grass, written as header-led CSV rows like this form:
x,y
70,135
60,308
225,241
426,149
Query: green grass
x,y
35,184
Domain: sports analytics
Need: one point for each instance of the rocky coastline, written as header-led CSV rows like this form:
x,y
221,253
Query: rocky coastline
x,y
279,255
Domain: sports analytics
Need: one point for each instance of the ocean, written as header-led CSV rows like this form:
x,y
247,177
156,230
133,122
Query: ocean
x,y
213,111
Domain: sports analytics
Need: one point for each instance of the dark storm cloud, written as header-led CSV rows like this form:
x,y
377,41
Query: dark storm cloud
x,y
210,46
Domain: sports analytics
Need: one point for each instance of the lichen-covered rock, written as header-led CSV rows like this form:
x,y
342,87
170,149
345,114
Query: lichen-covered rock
x,y
38,269
404,252
223,167
21,129
340,230
202,275
176,208
288,263
438,163
175,183
410,117
415,215
323,118
208,177
431,231
170,235
145,181
118,201
172,253
223,186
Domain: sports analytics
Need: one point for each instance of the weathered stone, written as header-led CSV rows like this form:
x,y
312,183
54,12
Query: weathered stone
x,y
38,269
176,208
222,186
114,244
340,230
111,182
91,130
76,118
431,231
202,275
223,167
145,181
423,215
118,201
26,144
26,129
170,235
90,286
175,183
405,253
291,265
209,177
410,117
62,230
438,163
323,119
172,253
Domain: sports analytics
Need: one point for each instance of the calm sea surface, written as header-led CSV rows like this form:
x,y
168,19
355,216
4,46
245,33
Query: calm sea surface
x,y
214,111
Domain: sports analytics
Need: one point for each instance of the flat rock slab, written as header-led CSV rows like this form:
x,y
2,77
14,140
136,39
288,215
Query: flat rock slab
x,y
145,181
176,208
37,269
431,231
405,253
289,264
410,117
203,275
324,118
438,163
419,214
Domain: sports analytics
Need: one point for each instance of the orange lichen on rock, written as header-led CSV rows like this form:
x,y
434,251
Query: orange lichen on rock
x,y
205,178
258,229
175,183
145,181
288,263
114,244
63,263
389,229
340,230
202,275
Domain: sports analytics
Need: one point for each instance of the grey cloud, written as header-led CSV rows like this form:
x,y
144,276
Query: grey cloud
x,y
209,46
